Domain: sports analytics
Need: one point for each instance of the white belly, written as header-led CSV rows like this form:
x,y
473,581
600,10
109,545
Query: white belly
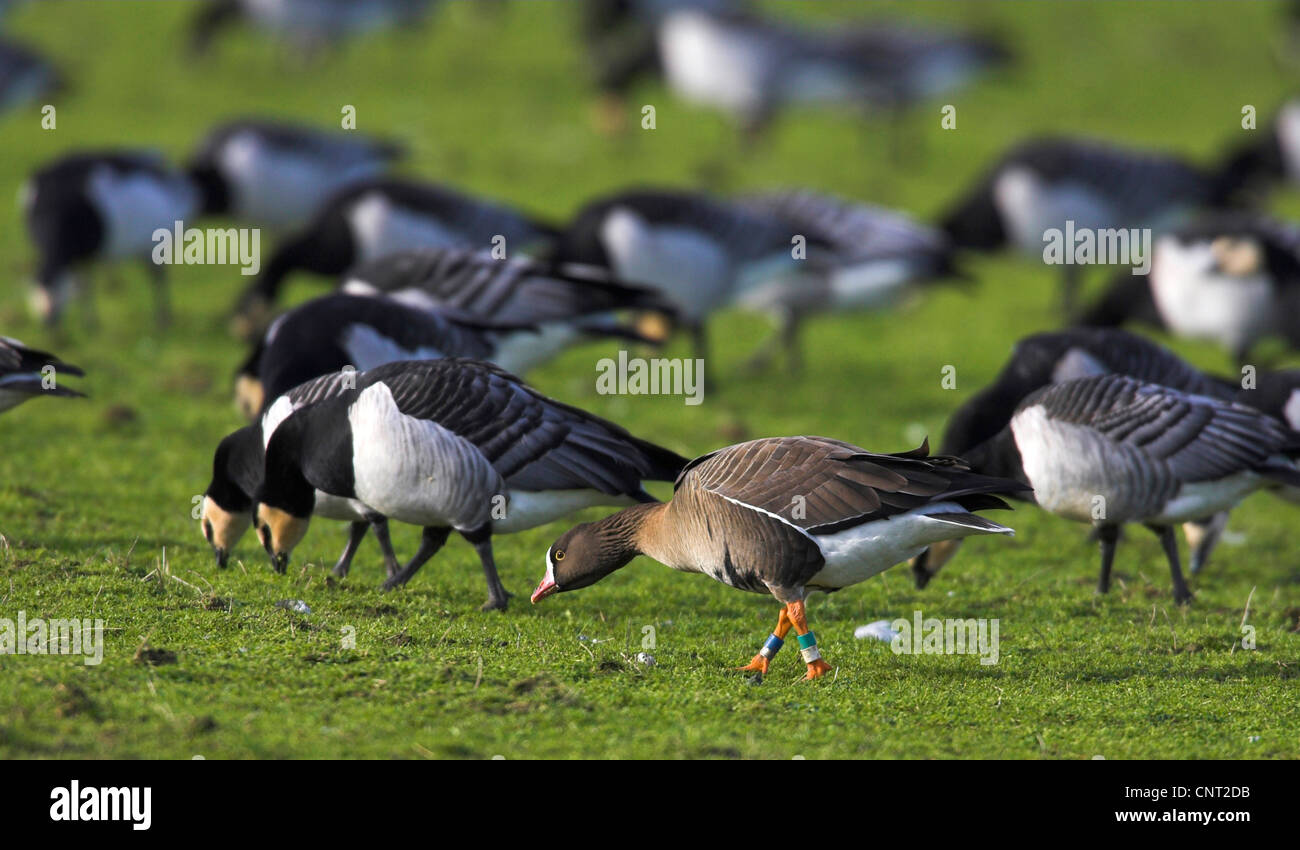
x,y
711,65
339,508
858,553
1029,207
524,509
692,270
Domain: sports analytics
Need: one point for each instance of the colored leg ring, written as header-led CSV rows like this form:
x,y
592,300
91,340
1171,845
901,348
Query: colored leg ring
x,y
771,647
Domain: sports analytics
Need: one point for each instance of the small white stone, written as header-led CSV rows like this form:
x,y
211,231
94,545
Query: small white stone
x,y
645,658
879,630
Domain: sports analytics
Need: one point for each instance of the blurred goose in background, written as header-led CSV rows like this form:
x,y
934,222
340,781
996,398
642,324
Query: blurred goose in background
x,y
1232,278
564,302
1043,184
238,467
26,373
335,332
876,256
1272,156
1110,450
101,207
1055,357
619,37
25,77
450,444
278,175
694,251
306,25
786,516
382,216
752,67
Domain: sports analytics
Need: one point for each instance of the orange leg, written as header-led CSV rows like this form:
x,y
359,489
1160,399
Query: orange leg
x,y
817,666
760,661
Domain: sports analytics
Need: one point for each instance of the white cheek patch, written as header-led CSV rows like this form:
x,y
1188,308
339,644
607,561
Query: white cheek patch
x,y
550,567
1292,410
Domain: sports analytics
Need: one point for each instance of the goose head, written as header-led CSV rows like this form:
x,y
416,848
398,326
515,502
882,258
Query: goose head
x,y
280,531
222,528
585,554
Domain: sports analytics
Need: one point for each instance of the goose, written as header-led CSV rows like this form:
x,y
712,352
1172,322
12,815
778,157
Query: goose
x,y
101,206
750,67
1046,183
565,302
786,516
1110,450
1055,357
878,255
307,25
449,444
1272,157
341,331
380,216
276,175
695,251
1230,278
25,77
238,466
26,373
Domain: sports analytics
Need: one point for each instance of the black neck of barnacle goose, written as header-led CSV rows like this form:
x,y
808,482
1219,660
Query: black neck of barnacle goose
x,y
326,247
982,416
212,187
974,222
237,470
303,455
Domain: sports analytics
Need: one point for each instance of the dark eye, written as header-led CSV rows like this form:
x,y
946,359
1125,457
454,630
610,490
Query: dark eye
x,y
559,555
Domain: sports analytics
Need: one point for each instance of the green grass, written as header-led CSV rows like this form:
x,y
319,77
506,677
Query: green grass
x,y
496,102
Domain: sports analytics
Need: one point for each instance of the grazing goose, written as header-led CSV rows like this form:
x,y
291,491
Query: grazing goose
x,y
751,67
277,175
1232,278
238,467
23,374
89,207
335,332
25,77
449,444
565,302
697,252
307,25
1049,358
1045,183
877,256
785,516
382,216
1109,450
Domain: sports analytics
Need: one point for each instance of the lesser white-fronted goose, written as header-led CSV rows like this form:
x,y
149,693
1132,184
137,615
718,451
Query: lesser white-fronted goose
x,y
384,215
89,207
27,373
1110,450
1048,182
238,466
1052,358
277,175
785,516
449,444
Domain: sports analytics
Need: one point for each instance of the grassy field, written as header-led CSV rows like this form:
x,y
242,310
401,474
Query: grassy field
x,y
201,661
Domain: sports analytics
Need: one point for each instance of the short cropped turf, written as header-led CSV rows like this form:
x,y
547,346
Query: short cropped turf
x,y
96,496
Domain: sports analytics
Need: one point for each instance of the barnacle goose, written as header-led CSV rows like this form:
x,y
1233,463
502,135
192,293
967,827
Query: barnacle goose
x,y
26,373
449,444
277,175
25,77
101,206
381,216
307,25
